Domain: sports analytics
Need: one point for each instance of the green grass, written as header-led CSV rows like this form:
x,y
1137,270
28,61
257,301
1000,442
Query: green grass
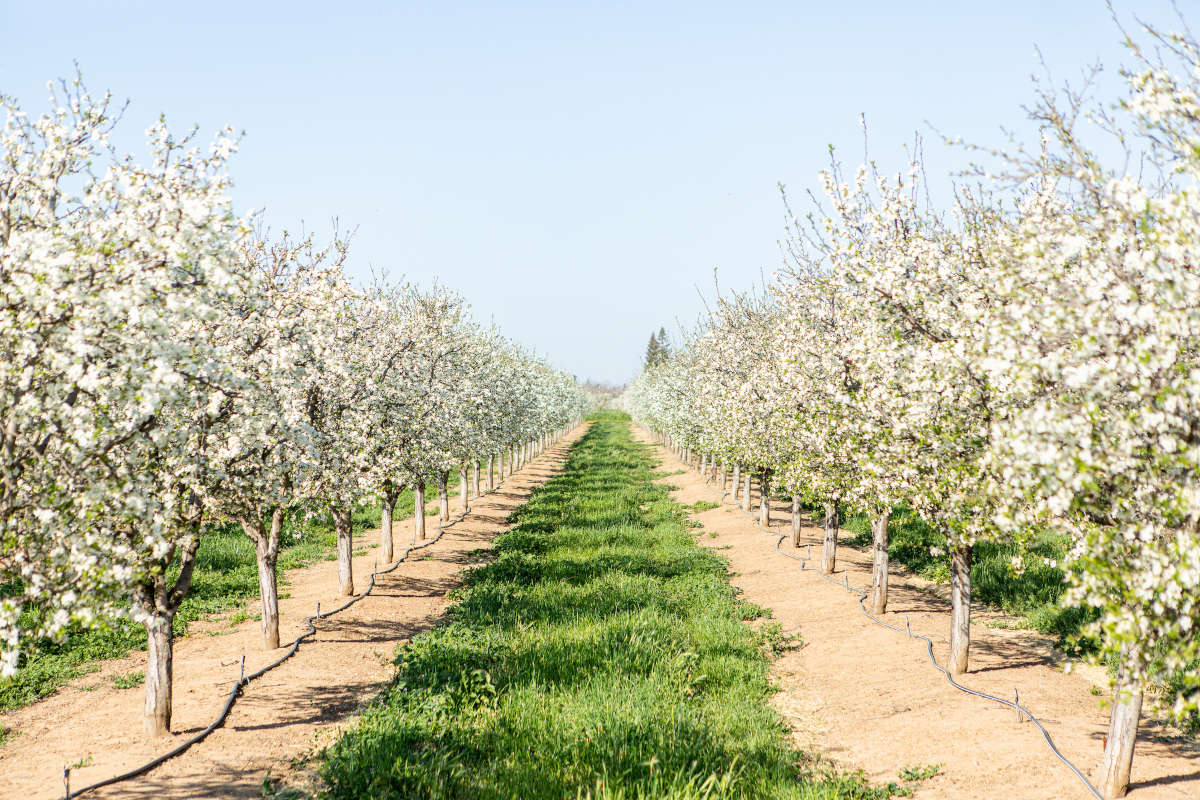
x,y
601,654
129,680
225,577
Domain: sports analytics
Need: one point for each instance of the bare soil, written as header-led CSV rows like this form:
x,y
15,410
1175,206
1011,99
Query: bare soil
x,y
287,713
868,699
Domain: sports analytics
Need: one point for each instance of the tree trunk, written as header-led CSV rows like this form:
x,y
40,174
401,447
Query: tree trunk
x,y
795,520
747,502
475,479
829,548
387,507
156,719
704,467
345,550
443,496
737,485
960,608
266,556
464,492
268,594
419,511
764,499
160,603
1112,778
879,563
491,472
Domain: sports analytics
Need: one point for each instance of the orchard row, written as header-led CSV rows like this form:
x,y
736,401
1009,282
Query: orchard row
x,y
1025,361
165,365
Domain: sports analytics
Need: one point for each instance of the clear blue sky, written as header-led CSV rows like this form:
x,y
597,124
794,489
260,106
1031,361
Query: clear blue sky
x,y
576,170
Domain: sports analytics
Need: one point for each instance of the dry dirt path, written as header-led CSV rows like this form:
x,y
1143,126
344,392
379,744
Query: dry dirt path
x,y
301,704
867,697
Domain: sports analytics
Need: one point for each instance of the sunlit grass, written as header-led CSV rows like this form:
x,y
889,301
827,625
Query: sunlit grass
x,y
601,654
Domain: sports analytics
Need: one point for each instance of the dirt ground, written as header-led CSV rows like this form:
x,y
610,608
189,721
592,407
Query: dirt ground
x,y
283,715
867,697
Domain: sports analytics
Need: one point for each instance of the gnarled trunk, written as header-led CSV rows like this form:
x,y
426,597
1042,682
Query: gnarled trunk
x,y
419,511
960,608
829,547
1112,777
747,501
879,562
345,550
737,478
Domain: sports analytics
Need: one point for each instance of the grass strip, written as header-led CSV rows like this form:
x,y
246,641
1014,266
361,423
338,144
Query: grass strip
x,y
601,654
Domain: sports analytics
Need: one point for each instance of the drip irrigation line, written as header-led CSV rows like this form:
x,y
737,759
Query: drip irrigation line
x,y
907,630
244,679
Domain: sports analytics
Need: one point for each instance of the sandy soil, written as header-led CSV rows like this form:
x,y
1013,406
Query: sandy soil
x,y
283,715
867,697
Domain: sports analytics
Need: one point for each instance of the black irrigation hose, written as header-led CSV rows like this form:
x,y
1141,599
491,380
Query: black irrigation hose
x,y
245,679
862,595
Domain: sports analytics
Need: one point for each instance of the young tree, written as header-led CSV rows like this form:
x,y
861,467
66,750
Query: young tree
x,y
275,348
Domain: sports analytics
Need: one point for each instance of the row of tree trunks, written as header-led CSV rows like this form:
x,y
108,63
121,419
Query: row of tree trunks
x,y
1112,776
160,600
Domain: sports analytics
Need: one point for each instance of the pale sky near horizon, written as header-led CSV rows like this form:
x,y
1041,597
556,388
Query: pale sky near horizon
x,y
576,170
